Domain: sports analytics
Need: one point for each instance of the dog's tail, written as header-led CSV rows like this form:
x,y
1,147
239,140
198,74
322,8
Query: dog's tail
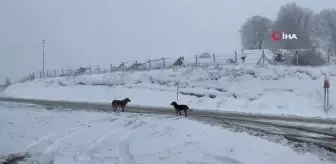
x,y
190,109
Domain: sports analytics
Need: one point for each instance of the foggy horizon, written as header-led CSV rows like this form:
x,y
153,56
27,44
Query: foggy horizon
x,y
83,32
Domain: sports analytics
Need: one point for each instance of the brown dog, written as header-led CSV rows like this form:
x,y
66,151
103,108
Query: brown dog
x,y
120,103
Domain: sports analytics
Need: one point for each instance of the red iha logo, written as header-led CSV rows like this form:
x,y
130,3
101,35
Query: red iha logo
x,y
279,35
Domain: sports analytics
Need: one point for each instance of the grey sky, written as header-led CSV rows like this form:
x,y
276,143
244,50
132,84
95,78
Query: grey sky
x,y
83,32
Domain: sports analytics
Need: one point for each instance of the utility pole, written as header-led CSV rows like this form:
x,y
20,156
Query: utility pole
x,y
43,58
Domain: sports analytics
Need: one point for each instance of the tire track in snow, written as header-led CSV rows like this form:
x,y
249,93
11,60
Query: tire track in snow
x,y
124,150
101,139
224,159
43,139
131,122
50,151
39,141
131,126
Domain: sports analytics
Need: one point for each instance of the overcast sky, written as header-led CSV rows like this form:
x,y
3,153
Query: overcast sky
x,y
83,32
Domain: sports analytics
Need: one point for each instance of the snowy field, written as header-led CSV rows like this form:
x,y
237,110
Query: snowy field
x,y
271,90
70,137
281,90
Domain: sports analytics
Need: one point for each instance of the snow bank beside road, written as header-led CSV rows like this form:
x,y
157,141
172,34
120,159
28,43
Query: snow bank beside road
x,y
272,90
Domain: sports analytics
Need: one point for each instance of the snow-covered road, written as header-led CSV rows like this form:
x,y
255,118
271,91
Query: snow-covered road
x,y
69,137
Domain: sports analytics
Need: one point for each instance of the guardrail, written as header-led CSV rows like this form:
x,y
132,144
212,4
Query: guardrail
x,y
164,110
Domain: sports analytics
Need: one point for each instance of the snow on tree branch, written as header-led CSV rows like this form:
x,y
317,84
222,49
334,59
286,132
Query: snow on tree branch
x,y
253,31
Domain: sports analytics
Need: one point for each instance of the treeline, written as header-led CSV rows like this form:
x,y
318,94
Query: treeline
x,y
315,31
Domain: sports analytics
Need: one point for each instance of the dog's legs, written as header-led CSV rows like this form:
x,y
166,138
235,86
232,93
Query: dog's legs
x,y
180,113
185,112
123,108
176,112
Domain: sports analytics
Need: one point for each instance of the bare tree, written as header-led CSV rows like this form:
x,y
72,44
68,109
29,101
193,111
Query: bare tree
x,y
8,82
253,32
292,19
320,35
329,16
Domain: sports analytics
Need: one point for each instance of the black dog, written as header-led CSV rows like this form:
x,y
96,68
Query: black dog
x,y
179,108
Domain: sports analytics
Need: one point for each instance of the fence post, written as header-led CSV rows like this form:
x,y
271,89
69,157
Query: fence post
x,y
214,57
98,68
264,57
177,90
329,55
55,72
236,58
90,69
196,60
40,75
47,73
149,64
164,62
297,57
62,72
111,68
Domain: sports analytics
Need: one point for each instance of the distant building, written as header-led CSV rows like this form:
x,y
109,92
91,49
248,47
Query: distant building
x,y
205,55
